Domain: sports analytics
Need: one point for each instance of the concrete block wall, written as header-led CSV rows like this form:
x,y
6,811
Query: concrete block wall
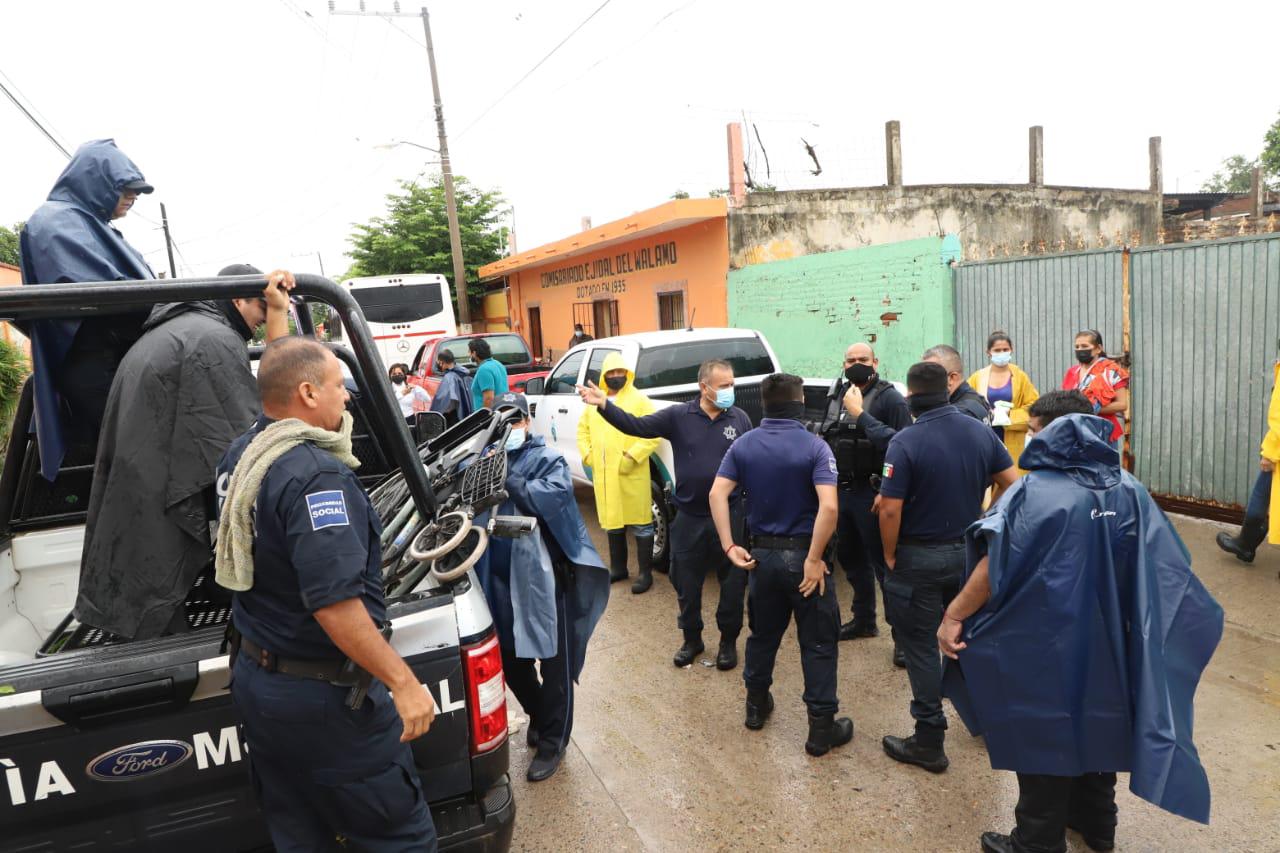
x,y
775,225
898,296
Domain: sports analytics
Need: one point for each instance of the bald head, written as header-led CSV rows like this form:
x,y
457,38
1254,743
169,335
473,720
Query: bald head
x,y
300,378
860,353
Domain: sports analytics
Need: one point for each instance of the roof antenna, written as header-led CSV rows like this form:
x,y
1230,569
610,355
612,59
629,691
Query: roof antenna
x,y
692,314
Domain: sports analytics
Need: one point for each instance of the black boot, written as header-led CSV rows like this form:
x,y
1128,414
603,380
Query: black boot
x,y
691,649
644,559
759,707
1245,545
855,630
727,655
922,750
996,842
825,731
617,555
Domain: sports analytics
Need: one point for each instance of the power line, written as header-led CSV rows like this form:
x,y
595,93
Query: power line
x,y
35,121
538,65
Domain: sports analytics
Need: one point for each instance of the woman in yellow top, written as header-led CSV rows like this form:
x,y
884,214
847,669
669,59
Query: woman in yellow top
x,y
619,470
1263,509
1009,391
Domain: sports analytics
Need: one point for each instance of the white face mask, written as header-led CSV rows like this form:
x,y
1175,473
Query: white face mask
x,y
516,439
1001,359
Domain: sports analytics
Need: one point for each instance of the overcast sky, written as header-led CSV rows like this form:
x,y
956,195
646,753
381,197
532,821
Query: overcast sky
x,y
258,121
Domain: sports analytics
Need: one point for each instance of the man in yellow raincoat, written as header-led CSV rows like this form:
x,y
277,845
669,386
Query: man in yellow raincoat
x,y
619,470
1263,509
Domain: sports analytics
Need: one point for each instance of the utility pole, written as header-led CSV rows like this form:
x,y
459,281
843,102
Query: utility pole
x,y
320,261
446,166
168,241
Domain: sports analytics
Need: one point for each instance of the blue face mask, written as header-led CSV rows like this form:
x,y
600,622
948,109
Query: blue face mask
x,y
1001,359
724,398
515,440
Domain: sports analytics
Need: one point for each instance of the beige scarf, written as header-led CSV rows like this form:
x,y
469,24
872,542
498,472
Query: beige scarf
x,y
233,556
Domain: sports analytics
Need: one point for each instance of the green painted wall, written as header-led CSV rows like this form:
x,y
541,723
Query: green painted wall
x,y
812,307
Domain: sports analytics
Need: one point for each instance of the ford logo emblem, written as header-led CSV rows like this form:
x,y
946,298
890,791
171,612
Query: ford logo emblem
x,y
138,760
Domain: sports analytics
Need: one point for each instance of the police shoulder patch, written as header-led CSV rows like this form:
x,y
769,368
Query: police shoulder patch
x,y
888,471
327,509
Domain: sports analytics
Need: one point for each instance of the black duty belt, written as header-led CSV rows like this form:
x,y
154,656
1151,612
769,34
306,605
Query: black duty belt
x,y
925,543
335,672
780,543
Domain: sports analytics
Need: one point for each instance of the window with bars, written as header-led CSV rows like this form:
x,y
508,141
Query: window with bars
x,y
671,310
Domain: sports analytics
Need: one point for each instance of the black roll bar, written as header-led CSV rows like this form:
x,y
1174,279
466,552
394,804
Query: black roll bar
x,y
76,301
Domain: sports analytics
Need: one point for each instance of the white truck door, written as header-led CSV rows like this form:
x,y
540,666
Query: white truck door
x,y
559,408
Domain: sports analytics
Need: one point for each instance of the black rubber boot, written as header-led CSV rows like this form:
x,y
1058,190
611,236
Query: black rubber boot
x,y
644,559
911,750
759,707
1245,545
617,555
691,649
825,731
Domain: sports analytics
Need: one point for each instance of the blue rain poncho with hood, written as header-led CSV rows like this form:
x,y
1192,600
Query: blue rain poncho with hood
x,y
454,387
1087,655
70,239
518,574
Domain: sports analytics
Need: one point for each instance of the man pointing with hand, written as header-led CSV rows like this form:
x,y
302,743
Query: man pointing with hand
x,y
790,477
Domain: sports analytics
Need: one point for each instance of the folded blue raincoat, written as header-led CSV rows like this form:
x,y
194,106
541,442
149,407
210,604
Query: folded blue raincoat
x,y
1087,655
70,239
517,574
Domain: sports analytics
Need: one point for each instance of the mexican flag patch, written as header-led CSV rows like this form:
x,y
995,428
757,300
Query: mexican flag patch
x,y
887,473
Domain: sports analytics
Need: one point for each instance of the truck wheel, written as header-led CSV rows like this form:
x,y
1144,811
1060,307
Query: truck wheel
x,y
661,528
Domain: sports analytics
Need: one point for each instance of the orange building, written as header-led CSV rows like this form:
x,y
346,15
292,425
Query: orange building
x,y
661,268
11,276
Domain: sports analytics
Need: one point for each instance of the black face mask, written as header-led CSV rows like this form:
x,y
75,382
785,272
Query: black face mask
x,y
397,379
1084,356
921,403
615,383
860,374
791,410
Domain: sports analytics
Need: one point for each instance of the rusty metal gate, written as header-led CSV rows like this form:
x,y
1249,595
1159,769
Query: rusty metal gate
x,y
1041,302
1206,328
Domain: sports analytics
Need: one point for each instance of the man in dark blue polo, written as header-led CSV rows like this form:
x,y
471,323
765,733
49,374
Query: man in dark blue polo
x,y
700,432
298,542
790,475
935,476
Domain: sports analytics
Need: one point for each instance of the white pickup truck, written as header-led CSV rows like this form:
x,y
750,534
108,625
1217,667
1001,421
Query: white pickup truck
x,y
666,370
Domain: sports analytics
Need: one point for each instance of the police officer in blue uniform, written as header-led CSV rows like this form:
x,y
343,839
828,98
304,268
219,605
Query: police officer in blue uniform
x,y
863,413
309,645
789,475
701,432
935,477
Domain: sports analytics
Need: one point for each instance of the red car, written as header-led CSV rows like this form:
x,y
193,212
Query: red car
x,y
508,348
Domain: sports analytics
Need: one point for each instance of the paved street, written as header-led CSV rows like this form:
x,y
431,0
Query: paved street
x,y
661,761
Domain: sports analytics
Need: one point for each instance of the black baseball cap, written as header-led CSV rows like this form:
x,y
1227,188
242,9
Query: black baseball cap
x,y
139,186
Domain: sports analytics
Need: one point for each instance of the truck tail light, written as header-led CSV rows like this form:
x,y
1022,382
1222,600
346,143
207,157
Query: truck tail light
x,y
486,695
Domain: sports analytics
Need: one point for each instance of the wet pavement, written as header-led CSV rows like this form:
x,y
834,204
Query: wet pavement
x,y
660,759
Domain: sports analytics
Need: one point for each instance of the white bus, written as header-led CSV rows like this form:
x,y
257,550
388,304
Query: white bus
x,y
403,311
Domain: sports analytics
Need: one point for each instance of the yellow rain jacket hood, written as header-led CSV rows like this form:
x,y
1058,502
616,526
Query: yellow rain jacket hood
x,y
617,463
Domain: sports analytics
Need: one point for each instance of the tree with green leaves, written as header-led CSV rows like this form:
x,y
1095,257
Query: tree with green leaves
x,y
1236,174
9,244
14,369
413,235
